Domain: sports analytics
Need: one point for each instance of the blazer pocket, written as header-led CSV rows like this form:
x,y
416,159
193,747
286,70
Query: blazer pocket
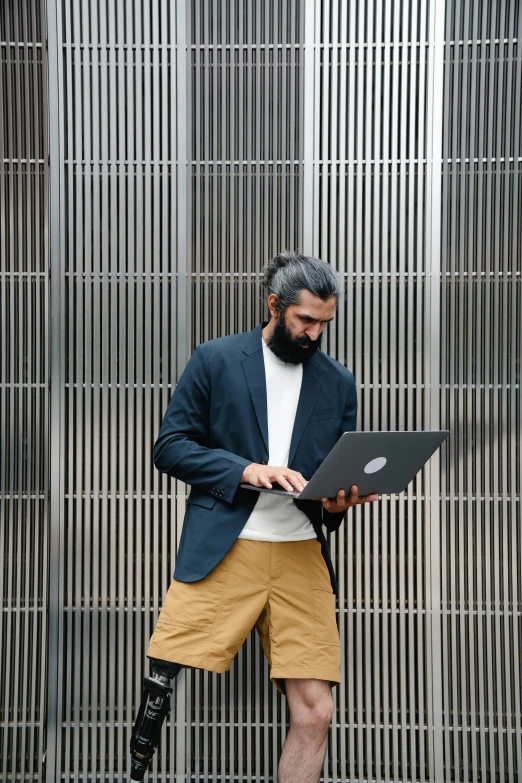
x,y
201,499
324,415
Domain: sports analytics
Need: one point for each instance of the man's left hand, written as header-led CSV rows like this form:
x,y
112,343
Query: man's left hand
x,y
343,502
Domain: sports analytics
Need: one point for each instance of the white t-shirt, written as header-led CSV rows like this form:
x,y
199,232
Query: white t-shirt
x,y
274,517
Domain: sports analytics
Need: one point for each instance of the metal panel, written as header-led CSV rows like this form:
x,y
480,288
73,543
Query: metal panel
x,y
118,264
372,204
480,391
245,193
371,132
24,398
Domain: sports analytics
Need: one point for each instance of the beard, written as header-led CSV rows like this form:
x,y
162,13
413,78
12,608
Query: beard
x,y
290,349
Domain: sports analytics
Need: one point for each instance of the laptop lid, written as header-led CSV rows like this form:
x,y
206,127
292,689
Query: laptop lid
x,y
381,462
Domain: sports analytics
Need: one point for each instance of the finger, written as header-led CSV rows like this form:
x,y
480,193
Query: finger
x,y
326,503
354,495
368,498
281,479
296,480
264,482
341,497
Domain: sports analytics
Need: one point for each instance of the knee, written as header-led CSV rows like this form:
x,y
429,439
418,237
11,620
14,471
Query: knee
x,y
314,718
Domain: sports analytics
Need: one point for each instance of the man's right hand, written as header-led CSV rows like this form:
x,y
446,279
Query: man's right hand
x,y
264,475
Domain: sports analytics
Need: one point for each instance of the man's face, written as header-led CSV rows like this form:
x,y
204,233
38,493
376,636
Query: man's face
x,y
297,332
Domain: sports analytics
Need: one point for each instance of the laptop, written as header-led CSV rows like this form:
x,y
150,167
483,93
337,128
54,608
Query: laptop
x,y
380,462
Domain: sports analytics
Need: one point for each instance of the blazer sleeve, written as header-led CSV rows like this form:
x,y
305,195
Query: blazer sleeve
x,y
349,422
180,451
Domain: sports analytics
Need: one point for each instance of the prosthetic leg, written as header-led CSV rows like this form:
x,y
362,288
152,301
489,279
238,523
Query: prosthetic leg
x,y
154,707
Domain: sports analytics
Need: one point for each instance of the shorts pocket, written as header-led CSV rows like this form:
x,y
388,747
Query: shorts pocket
x,y
323,606
194,605
319,575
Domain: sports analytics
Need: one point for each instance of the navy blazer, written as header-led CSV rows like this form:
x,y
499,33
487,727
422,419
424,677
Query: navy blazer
x,y
216,424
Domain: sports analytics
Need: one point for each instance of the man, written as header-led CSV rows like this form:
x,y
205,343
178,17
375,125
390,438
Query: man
x,y
261,408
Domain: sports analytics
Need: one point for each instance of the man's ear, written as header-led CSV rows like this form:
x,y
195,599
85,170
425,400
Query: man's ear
x,y
273,305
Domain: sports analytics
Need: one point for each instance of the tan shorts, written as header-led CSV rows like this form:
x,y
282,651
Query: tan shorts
x,y
283,589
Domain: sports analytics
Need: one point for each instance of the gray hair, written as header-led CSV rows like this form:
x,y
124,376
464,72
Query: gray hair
x,y
289,273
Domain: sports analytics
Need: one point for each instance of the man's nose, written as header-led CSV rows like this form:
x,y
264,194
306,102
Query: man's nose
x,y
314,331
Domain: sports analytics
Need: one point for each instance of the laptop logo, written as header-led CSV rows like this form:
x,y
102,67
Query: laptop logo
x,y
375,464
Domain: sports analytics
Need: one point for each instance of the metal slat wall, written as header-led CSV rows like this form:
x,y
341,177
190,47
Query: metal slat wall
x,y
190,141
244,146
481,350
245,192
375,206
24,397
371,209
118,222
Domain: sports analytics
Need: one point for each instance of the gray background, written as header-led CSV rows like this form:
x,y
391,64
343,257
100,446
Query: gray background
x,y
153,157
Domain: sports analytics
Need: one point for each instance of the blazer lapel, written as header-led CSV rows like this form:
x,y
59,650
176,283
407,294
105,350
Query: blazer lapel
x,y
310,387
254,369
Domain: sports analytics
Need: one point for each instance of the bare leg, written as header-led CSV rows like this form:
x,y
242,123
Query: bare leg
x,y
310,703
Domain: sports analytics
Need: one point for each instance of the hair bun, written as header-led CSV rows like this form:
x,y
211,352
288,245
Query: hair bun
x,y
280,261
